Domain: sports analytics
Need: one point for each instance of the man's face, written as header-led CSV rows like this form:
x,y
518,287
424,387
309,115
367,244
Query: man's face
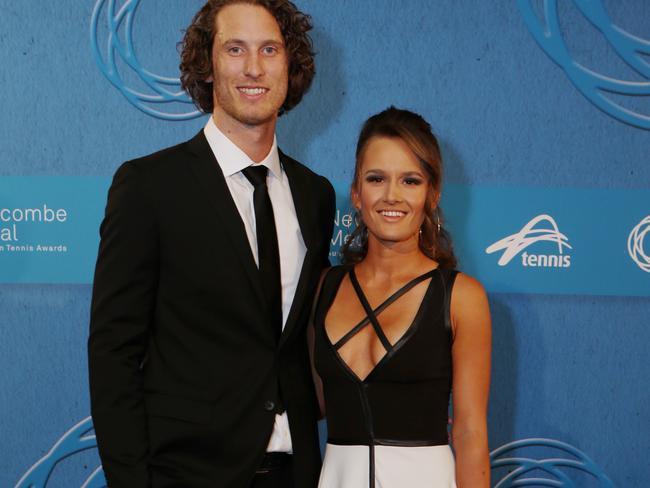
x,y
250,66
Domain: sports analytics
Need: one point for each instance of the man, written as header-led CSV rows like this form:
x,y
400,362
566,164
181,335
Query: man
x,y
210,253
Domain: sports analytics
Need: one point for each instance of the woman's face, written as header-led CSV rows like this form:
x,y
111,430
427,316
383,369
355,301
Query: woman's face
x,y
392,190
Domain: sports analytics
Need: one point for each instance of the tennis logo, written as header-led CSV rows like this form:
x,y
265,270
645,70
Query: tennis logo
x,y
111,40
533,232
78,439
604,91
635,244
545,462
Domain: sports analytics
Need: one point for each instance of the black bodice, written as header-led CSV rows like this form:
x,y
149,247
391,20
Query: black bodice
x,y
404,400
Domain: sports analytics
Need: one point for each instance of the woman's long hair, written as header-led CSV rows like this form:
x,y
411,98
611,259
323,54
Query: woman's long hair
x,y
411,128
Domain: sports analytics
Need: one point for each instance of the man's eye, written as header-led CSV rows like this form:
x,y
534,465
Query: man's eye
x,y
235,50
269,50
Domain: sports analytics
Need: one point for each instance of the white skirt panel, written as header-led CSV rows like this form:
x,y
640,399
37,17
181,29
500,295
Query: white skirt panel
x,y
395,467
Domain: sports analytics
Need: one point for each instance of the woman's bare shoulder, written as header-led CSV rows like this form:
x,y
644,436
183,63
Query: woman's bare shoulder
x,y
469,302
467,289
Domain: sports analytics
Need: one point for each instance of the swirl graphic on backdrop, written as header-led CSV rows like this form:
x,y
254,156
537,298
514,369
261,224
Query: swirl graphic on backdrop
x,y
162,90
635,244
595,86
79,439
527,471
515,243
76,440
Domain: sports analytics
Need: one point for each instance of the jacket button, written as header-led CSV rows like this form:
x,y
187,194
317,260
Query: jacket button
x,y
269,406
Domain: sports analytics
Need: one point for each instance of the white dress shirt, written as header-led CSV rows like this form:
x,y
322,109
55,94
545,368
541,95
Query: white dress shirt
x,y
232,161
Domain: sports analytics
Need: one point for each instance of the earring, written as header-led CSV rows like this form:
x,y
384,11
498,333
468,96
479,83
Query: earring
x,y
438,221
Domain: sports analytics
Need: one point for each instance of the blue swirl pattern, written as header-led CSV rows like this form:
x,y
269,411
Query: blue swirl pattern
x,y
520,468
164,90
77,439
594,86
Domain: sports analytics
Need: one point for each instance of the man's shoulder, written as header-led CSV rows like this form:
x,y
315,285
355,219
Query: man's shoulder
x,y
303,171
164,169
166,159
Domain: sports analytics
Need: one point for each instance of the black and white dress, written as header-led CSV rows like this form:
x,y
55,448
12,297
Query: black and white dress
x,y
389,430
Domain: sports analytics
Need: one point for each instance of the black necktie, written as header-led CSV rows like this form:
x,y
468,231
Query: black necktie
x,y
267,245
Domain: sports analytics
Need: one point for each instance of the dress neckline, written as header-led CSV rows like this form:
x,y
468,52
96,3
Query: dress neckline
x,y
371,318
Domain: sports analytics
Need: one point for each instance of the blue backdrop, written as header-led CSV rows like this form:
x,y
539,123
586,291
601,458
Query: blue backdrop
x,y
543,111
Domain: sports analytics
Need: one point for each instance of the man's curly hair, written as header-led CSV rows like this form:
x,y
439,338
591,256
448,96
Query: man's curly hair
x,y
196,50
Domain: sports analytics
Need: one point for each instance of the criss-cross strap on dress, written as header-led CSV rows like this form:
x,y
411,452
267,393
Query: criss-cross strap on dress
x,y
389,429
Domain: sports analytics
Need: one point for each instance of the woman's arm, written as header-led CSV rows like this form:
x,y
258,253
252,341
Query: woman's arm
x,y
470,316
311,339
318,383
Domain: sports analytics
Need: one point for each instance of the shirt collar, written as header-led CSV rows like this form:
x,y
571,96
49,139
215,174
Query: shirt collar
x,y
232,159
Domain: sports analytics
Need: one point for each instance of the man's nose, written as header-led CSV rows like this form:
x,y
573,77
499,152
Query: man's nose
x,y
253,67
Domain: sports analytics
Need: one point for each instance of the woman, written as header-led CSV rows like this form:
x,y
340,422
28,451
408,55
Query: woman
x,y
394,322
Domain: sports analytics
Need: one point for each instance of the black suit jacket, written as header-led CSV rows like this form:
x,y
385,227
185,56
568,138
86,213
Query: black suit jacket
x,y
185,374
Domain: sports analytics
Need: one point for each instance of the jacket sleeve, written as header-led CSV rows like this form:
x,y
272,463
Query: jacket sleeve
x,y
122,310
328,209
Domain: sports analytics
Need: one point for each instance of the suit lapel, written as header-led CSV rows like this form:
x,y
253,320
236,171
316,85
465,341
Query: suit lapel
x,y
300,195
212,182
